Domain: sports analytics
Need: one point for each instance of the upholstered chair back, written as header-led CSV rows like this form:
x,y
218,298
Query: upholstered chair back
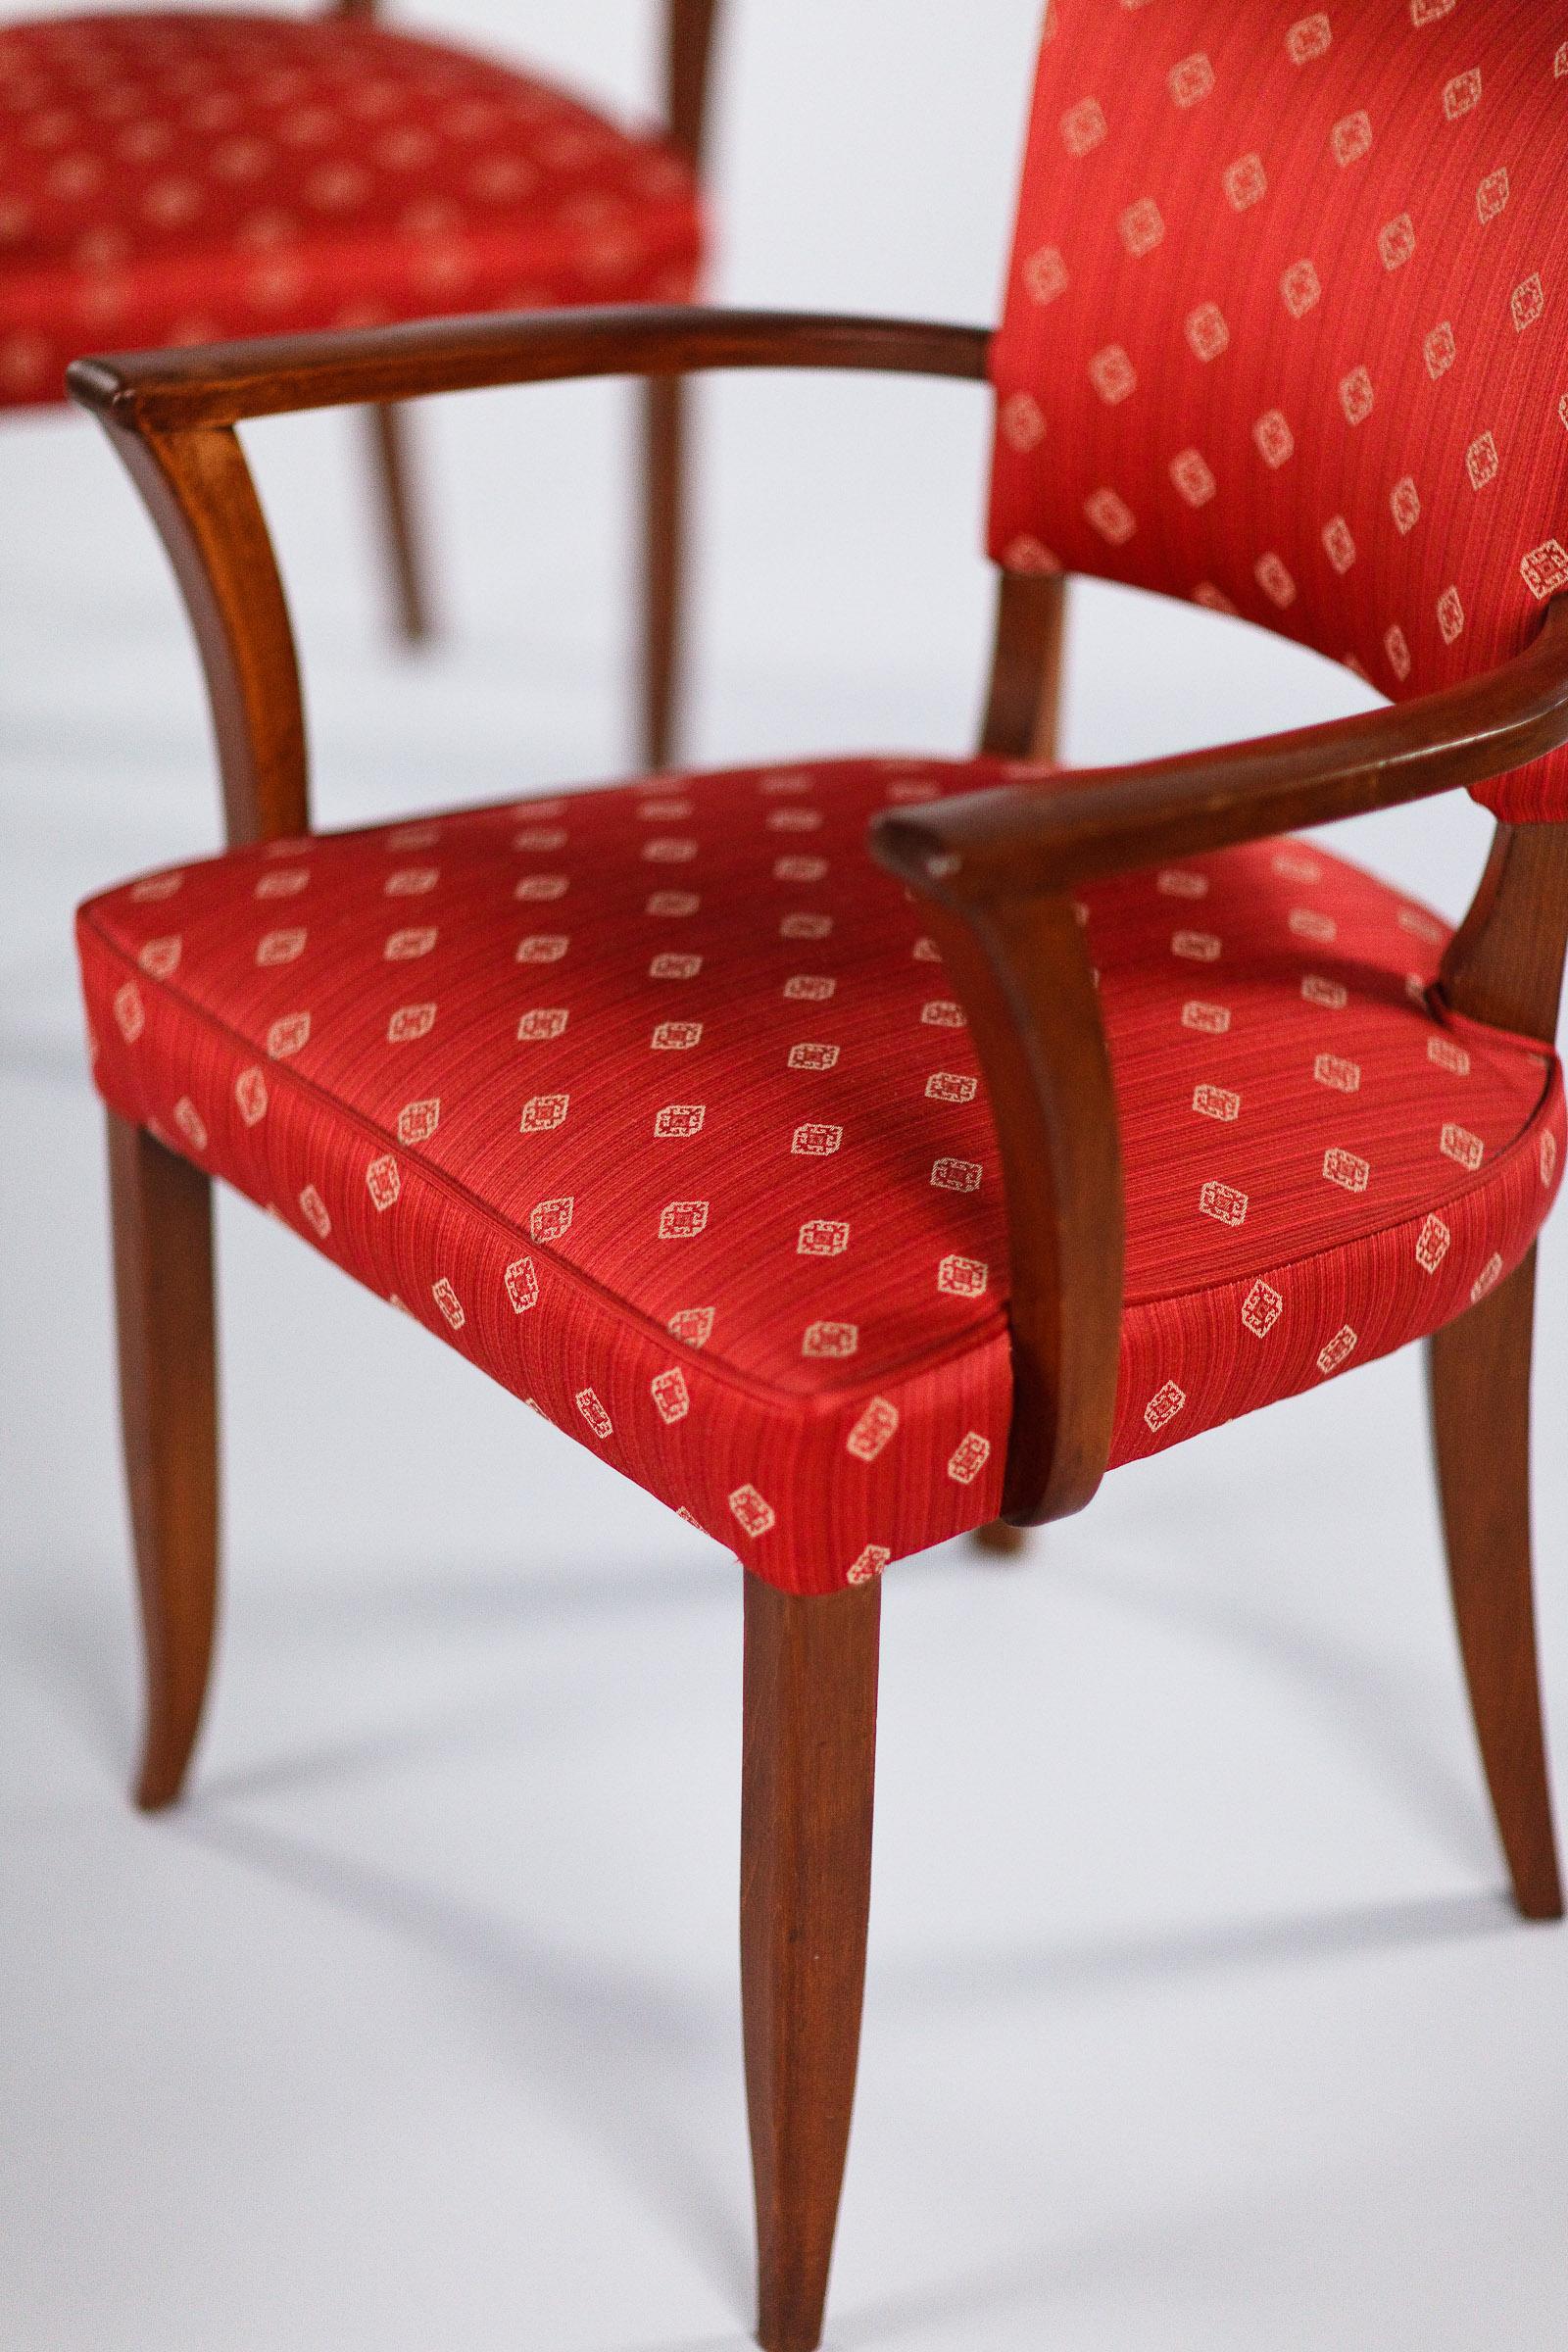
x,y
1286,325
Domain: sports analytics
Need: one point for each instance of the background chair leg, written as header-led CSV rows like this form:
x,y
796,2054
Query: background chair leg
x,y
392,454
163,1243
1480,1371
809,1748
664,489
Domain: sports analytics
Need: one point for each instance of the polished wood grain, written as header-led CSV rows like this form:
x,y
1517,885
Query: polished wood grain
x,y
222,382
663,598
1505,965
807,1779
1021,971
1023,721
1023,705
163,1243
690,33
200,494
1480,1382
402,529
1023,840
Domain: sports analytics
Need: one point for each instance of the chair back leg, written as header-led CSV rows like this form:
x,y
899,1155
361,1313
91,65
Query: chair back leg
x,y
402,536
1480,1373
808,1756
665,400
163,1244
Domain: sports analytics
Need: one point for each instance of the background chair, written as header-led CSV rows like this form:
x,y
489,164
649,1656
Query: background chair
x,y
180,177
1389,1109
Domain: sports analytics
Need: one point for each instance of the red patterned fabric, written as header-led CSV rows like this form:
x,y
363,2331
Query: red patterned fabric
x,y
1285,325
184,178
656,1102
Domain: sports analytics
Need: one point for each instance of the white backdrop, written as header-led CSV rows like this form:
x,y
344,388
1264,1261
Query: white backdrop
x,y
1195,2017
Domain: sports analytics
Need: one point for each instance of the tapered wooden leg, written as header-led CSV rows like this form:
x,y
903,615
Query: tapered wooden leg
x,y
163,1242
1481,1420
664,400
805,1880
393,459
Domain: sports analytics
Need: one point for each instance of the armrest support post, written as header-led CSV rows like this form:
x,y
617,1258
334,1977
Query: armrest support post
x,y
1021,971
199,491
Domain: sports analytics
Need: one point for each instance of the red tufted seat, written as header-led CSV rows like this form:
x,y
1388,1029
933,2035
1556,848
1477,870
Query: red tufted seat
x,y
656,1102
189,178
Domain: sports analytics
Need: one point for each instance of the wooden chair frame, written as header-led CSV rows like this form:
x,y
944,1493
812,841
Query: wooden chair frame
x,y
996,870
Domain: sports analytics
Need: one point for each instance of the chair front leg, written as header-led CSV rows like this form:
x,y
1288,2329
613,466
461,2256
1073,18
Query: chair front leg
x,y
163,1244
808,1760
1480,1371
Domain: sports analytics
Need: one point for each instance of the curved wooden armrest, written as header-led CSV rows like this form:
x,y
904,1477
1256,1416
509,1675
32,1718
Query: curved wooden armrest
x,y
995,869
1023,840
221,383
171,416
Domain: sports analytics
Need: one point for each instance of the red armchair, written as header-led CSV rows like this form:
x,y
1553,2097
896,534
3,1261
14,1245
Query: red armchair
x,y
852,1150
170,178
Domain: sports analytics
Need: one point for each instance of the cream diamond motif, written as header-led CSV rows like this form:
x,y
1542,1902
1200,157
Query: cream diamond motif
x,y
418,1121
1351,139
969,1458
383,1182
1275,440
1300,288
1262,1309
1163,1407
594,1414
1348,1169
874,1430
1246,183
1044,275
962,1277
1431,1245
831,1339
1546,570
692,1326
957,1175
523,1285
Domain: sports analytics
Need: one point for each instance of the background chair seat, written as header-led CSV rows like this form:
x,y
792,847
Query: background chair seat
x,y
657,1103
186,179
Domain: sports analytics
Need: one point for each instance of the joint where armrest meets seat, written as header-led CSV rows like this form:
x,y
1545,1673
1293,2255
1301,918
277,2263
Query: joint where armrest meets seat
x,y
996,869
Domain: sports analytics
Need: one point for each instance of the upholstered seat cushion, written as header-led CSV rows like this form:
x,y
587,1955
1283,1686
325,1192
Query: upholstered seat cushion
x,y
186,177
658,1103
